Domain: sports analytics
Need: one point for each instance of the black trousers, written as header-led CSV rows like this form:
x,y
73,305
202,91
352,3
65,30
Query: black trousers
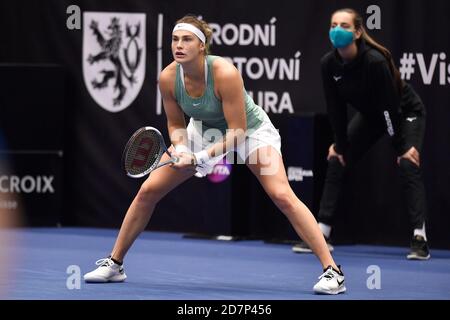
x,y
362,134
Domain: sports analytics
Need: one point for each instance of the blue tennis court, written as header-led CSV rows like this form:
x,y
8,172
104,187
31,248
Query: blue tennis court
x,y
46,263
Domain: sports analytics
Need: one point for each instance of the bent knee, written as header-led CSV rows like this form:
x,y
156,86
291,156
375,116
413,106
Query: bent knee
x,y
148,193
283,199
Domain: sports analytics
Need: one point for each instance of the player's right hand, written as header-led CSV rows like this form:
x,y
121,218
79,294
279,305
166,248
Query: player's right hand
x,y
332,153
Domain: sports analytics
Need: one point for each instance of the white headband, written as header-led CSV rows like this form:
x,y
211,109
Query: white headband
x,y
191,28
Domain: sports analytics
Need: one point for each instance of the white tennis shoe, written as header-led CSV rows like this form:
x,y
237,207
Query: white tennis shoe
x,y
330,282
107,271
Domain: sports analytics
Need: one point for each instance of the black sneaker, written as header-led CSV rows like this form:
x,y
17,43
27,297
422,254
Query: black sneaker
x,y
302,247
419,249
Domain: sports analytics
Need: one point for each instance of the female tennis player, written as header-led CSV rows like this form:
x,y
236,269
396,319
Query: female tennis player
x,y
210,90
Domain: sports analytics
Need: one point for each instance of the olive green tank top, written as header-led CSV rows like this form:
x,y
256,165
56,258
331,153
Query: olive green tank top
x,y
208,108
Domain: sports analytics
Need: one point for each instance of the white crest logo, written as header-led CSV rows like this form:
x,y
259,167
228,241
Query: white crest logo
x,y
114,54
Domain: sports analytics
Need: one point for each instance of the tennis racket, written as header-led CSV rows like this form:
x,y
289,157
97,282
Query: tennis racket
x,y
143,152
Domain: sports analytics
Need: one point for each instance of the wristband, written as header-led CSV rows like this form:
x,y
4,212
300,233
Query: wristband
x,y
201,157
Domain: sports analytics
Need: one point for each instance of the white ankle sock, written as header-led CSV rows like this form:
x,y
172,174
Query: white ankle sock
x,y
325,228
421,232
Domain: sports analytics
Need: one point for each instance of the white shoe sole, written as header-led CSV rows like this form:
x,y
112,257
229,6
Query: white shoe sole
x,y
301,250
116,278
416,257
326,291
307,250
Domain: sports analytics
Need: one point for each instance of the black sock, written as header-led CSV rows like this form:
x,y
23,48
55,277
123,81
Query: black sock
x,y
339,270
117,261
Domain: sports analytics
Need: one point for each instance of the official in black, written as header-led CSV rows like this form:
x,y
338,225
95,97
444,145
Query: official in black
x,y
360,72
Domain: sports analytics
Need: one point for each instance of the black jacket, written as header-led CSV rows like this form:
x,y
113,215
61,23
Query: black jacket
x,y
366,83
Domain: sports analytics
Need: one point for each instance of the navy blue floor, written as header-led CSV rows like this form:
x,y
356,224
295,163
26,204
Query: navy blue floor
x,y
164,266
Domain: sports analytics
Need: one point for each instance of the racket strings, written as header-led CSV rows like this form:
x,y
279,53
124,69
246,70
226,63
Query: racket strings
x,y
143,153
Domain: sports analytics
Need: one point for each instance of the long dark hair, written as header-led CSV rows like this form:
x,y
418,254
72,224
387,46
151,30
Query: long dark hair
x,y
359,25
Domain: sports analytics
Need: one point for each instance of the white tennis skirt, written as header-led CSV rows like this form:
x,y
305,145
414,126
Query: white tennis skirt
x,y
265,135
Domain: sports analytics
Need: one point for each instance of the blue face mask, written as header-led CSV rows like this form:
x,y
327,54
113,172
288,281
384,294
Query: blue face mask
x,y
340,37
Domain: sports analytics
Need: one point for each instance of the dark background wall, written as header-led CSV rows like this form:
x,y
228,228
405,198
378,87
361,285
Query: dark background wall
x,y
95,191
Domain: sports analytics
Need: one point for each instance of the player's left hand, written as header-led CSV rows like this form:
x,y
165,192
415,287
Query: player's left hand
x,y
412,155
186,161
